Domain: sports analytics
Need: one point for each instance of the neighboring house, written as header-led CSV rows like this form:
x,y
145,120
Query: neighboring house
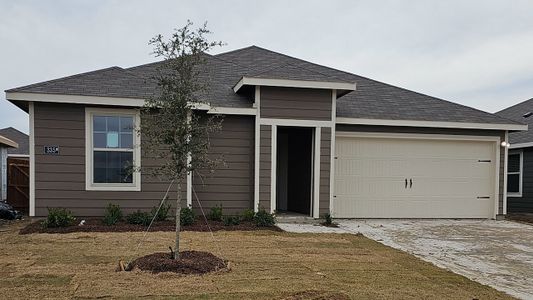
x,y
396,153
5,145
22,139
520,166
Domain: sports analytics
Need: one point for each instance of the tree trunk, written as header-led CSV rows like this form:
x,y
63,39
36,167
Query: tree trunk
x,y
178,221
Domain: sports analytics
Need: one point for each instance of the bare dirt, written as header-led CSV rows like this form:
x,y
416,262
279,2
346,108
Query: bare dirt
x,y
96,225
189,262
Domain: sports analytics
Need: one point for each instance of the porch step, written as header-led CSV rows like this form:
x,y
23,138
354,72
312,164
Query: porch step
x,y
296,219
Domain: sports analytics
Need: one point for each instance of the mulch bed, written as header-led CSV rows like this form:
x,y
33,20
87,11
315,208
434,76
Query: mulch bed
x,y
524,218
189,262
96,225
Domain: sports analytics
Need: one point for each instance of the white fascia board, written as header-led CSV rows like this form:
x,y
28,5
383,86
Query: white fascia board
x,y
433,124
233,111
117,101
8,142
76,99
294,83
521,145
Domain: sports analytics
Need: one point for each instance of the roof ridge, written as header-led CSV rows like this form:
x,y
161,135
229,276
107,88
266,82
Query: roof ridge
x,y
514,106
12,128
236,50
47,82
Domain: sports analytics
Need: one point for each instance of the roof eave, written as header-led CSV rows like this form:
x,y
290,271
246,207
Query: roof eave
x,y
432,124
345,87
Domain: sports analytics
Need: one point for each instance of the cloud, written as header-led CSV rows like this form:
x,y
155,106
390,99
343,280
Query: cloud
x,y
477,53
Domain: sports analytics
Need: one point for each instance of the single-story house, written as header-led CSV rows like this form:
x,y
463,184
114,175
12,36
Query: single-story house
x,y
5,145
520,157
297,137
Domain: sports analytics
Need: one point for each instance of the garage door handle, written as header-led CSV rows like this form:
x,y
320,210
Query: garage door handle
x,y
411,183
405,182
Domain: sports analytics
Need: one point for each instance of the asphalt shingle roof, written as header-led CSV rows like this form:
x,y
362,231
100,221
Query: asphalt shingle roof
x,y
516,113
371,100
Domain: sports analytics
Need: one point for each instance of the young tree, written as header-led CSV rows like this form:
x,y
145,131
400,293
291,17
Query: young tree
x,y
174,134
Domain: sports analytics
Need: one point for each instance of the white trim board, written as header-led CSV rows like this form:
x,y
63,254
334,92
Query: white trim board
x,y
31,113
521,145
293,83
273,168
316,173
116,101
257,149
432,124
294,122
332,152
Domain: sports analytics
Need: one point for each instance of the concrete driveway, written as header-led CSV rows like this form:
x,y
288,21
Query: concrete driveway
x,y
495,253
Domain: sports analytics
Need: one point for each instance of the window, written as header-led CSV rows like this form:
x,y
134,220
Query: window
x,y
112,150
514,174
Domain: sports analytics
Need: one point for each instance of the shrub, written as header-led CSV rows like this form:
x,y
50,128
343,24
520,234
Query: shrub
x,y
139,218
162,214
187,216
231,220
59,217
264,219
328,220
248,215
113,214
215,214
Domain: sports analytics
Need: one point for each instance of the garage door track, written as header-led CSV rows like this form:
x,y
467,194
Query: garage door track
x,y
495,253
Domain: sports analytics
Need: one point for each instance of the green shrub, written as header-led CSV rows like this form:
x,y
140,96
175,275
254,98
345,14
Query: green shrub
x,y
231,220
264,219
139,218
113,214
248,215
162,214
59,217
215,214
328,220
187,216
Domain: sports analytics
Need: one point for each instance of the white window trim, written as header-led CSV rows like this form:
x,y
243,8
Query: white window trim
x,y
520,174
89,184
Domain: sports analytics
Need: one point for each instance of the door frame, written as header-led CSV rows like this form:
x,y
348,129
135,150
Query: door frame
x,y
432,136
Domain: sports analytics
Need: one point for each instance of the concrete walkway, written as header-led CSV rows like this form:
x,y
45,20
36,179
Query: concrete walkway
x,y
495,253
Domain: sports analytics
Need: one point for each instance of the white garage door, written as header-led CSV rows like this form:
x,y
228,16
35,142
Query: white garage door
x,y
414,178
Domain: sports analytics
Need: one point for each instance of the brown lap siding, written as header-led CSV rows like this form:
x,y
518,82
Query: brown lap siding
x,y
325,162
448,131
232,183
295,103
265,167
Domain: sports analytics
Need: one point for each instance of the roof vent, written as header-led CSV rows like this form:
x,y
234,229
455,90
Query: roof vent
x,y
527,115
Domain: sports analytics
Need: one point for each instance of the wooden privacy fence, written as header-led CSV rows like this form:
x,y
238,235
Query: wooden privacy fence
x,y
18,183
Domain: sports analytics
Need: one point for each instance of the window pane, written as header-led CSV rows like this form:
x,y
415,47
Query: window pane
x,y
513,183
112,140
126,124
99,140
513,164
113,123
99,123
113,167
126,140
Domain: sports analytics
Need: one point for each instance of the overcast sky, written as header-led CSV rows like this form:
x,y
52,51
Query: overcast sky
x,y
477,53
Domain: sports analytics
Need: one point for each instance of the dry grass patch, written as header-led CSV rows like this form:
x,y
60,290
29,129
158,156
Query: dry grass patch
x,y
265,265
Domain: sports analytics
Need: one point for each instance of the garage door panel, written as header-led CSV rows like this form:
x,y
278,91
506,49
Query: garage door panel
x,y
448,178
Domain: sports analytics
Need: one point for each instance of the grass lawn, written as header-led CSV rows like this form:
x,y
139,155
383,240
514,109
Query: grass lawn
x,y
265,265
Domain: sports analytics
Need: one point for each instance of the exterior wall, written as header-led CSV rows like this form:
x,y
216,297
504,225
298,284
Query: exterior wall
x,y
3,173
524,204
60,179
446,131
232,184
265,163
325,162
295,103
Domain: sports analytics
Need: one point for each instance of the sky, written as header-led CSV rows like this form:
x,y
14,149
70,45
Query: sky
x,y
476,53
